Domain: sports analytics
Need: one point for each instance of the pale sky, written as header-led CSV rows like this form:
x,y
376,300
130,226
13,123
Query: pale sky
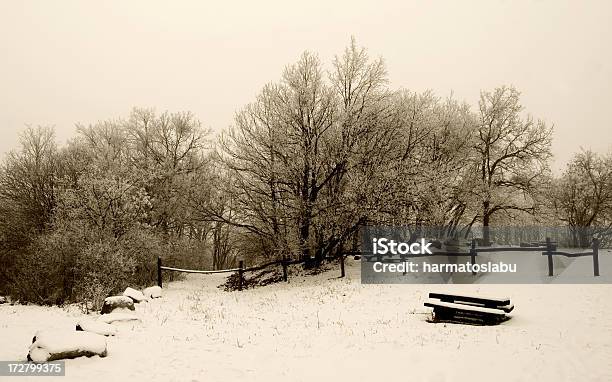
x,y
63,62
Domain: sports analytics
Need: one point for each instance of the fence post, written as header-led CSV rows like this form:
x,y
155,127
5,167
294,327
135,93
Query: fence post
x,y
342,274
159,272
284,264
595,257
473,255
550,258
240,273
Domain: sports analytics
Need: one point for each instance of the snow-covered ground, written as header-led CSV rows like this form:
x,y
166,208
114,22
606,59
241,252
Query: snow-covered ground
x,y
322,328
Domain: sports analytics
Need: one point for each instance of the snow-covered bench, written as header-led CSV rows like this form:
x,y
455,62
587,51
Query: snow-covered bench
x,y
469,309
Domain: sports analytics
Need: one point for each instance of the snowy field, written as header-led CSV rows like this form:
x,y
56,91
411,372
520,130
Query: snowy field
x,y
323,328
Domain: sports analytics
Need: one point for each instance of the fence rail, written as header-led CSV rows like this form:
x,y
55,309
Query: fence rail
x,y
548,248
197,271
284,262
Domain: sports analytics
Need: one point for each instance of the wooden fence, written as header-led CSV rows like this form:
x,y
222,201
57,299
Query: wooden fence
x,y
551,250
241,270
548,249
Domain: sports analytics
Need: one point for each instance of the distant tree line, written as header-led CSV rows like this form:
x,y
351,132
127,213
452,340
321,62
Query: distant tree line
x,y
313,158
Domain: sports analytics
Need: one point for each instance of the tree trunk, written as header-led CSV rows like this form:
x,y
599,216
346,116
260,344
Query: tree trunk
x,y
585,240
305,236
486,215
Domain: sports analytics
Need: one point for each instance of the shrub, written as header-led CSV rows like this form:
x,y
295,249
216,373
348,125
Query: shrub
x,y
102,269
43,271
83,266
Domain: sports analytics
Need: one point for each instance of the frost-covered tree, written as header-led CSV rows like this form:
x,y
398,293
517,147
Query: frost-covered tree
x,y
169,151
28,180
297,155
430,175
512,154
582,196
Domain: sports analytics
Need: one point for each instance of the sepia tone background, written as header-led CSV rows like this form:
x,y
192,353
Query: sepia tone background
x,y
67,62
138,193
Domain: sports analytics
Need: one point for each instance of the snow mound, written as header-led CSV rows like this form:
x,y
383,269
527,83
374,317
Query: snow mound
x,y
53,345
135,295
118,317
117,302
152,292
97,327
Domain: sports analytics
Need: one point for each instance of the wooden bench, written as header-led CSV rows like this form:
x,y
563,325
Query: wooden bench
x,y
468,309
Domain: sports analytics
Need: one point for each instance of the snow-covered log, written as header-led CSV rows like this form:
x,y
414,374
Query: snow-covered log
x,y
53,345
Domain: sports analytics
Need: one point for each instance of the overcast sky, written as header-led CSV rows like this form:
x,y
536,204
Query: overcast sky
x,y
63,62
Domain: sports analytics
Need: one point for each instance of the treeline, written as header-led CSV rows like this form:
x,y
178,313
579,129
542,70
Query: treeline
x,y
84,220
313,158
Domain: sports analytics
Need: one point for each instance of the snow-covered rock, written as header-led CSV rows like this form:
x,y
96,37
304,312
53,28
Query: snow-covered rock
x,y
117,302
152,292
97,327
118,316
2,300
136,295
50,345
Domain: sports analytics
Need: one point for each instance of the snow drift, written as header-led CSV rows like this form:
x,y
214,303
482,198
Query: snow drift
x,y
152,292
98,327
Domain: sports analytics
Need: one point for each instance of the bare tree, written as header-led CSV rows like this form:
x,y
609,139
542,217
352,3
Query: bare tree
x,y
168,150
512,155
582,197
28,180
28,187
297,153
